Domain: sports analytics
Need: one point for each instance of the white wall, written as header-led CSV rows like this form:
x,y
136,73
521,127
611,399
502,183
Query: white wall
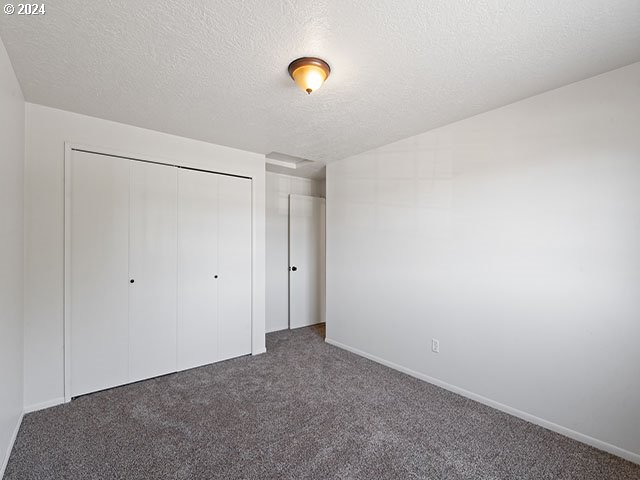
x,y
279,187
47,130
513,237
11,254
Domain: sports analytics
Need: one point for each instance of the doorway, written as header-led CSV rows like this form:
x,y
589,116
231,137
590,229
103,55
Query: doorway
x,y
306,261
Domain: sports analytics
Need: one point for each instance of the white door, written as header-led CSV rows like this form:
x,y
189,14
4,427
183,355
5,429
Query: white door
x,y
98,271
234,258
306,260
152,270
198,272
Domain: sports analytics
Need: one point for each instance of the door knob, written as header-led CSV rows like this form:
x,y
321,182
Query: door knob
x,y
293,269
215,276
131,281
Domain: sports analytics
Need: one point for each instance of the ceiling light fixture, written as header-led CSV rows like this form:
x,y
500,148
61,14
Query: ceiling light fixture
x,y
309,73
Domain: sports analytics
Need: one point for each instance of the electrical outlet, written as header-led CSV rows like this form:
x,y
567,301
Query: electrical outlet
x,y
435,345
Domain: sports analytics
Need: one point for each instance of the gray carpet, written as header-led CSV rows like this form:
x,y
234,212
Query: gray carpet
x,y
303,410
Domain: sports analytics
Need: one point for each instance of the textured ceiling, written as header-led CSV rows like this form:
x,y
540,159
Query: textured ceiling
x,y
217,70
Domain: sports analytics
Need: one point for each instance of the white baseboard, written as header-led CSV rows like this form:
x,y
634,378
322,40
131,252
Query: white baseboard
x,y
594,442
259,352
10,447
41,406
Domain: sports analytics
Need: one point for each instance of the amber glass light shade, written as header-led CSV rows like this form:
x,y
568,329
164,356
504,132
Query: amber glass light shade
x,y
309,73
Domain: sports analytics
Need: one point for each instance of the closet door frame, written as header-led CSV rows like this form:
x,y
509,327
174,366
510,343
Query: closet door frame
x,y
69,148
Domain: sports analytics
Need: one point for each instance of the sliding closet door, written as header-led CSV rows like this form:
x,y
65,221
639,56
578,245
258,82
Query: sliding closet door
x,y
97,275
234,254
198,272
152,270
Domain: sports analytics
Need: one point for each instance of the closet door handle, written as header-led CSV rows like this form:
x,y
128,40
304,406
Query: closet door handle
x,y
215,276
131,281
293,269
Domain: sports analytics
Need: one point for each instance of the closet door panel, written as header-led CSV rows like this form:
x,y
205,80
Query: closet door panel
x,y
197,268
98,236
153,270
234,256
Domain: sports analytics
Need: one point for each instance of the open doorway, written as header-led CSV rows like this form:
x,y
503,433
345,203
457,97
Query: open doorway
x,y
279,188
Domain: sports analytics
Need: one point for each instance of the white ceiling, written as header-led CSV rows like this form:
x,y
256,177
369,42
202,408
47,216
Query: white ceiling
x,y
217,70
